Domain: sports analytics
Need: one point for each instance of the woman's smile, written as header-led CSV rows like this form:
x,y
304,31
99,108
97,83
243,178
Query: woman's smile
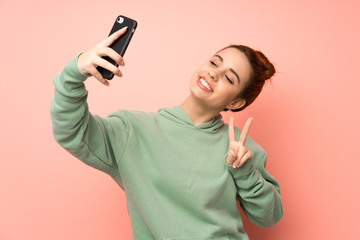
x,y
204,84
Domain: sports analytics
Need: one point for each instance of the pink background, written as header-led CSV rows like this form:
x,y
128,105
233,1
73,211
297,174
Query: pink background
x,y
307,118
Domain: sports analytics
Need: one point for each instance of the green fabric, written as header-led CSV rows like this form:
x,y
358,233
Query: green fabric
x,y
174,174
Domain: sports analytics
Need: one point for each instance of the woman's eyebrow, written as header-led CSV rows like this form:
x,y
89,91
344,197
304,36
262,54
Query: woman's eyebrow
x,y
221,59
231,70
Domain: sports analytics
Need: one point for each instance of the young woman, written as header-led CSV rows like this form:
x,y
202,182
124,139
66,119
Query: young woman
x,y
181,168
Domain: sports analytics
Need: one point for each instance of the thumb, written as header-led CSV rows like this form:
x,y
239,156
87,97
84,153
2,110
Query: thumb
x,y
231,157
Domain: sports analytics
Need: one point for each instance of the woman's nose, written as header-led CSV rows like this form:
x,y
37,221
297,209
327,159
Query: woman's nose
x,y
212,75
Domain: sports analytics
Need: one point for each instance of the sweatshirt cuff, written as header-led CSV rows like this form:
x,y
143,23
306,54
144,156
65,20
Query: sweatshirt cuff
x,y
244,176
78,70
73,67
70,82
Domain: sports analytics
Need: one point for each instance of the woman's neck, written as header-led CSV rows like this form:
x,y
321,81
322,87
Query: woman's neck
x,y
196,112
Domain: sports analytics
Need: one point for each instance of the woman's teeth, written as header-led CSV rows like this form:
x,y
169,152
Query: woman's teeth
x,y
203,82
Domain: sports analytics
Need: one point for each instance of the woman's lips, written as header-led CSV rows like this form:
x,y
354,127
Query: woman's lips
x,y
203,84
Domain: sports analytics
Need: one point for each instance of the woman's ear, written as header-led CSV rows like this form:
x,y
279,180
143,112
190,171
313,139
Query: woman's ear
x,y
236,104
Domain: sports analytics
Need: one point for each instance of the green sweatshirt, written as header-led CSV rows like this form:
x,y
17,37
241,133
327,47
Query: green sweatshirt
x,y
173,172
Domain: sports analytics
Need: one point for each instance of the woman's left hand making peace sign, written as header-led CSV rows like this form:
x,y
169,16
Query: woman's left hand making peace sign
x,y
238,153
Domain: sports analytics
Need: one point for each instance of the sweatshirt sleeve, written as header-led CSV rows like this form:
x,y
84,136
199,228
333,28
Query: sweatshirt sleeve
x,y
258,191
90,138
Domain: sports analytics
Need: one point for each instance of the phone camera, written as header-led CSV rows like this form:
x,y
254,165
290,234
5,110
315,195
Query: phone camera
x,y
120,20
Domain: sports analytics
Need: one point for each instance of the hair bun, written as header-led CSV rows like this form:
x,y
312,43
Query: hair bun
x,y
262,69
267,67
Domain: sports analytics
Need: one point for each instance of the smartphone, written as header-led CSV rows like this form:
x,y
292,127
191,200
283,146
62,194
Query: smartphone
x,y
121,44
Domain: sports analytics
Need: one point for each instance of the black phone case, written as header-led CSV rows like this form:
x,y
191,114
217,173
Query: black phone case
x,y
121,44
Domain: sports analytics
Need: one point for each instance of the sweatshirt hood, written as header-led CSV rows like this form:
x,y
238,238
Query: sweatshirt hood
x,y
177,114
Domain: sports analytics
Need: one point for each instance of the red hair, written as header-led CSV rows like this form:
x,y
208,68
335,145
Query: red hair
x,y
262,70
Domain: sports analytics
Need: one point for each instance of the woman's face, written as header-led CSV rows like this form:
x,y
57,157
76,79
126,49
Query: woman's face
x,y
218,82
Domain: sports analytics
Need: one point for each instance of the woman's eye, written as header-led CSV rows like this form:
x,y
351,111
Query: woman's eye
x,y
212,63
231,82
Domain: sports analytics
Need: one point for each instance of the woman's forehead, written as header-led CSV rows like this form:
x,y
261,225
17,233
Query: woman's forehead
x,y
237,60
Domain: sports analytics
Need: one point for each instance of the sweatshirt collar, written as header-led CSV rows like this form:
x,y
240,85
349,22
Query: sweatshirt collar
x,y
178,115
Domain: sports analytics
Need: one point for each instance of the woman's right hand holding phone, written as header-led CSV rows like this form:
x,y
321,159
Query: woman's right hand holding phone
x,y
89,60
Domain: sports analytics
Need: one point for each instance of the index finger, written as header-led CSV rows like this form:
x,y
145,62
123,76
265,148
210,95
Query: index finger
x,y
231,130
112,38
245,131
